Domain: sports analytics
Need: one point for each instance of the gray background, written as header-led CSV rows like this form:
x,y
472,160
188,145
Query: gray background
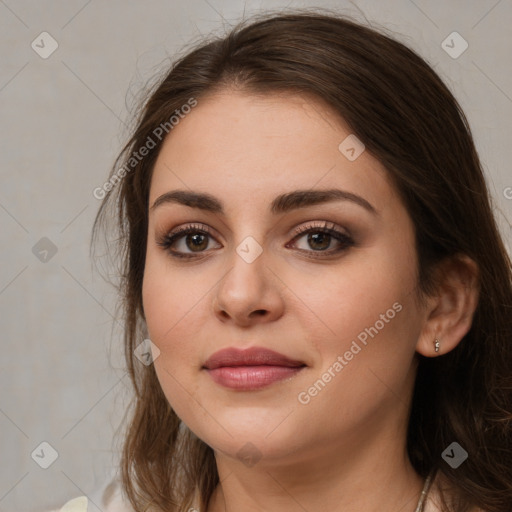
x,y
62,124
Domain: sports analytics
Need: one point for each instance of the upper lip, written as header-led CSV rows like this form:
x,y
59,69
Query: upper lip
x,y
254,356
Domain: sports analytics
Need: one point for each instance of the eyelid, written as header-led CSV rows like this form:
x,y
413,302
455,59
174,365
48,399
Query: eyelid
x,y
192,226
199,226
320,224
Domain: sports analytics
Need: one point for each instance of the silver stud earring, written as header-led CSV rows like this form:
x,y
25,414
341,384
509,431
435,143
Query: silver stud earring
x,y
436,345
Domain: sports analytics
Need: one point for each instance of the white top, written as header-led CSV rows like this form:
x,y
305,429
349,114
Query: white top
x,y
109,499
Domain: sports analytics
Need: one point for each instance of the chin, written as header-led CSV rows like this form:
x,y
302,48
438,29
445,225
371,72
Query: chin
x,y
249,436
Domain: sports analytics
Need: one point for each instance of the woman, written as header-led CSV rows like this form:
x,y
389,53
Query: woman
x,y
310,256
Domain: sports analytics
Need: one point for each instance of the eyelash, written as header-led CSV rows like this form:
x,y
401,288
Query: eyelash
x,y
167,240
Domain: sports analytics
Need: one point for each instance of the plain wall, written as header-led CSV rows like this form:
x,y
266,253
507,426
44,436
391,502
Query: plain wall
x,y
62,124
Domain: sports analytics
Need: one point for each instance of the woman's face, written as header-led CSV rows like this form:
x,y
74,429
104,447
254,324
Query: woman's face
x,y
273,262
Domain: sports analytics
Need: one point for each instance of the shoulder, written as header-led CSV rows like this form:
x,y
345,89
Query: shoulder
x,y
108,499
75,505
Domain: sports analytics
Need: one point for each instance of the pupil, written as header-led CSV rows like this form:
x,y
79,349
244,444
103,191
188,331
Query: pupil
x,y
322,236
197,243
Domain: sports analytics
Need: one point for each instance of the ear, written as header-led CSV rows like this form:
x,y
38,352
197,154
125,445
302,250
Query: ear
x,y
448,314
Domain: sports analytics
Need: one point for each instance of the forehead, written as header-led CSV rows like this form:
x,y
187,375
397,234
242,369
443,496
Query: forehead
x,y
237,125
244,147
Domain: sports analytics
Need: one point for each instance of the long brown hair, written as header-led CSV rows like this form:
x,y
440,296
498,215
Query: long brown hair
x,y
408,120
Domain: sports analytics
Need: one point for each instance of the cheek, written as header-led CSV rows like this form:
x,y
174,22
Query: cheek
x,y
373,323
167,309
175,317
169,296
346,302
170,307
366,369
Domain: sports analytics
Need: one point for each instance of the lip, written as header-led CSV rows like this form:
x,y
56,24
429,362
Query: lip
x,y
254,356
250,369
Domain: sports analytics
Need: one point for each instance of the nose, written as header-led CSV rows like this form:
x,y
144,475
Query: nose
x,y
248,293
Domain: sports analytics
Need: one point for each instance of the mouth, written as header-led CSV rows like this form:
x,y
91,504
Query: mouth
x,y
250,369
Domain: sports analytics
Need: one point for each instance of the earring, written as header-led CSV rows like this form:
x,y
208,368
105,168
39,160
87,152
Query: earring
x,y
436,345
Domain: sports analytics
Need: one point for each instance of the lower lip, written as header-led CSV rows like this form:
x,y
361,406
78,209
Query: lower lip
x,y
247,378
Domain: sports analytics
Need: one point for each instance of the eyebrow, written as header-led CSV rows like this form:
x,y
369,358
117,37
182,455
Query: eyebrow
x,y
281,204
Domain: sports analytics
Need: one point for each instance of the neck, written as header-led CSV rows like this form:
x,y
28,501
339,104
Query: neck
x,y
371,476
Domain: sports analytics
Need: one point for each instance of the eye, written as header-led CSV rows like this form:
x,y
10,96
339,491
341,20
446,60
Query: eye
x,y
195,237
192,240
321,237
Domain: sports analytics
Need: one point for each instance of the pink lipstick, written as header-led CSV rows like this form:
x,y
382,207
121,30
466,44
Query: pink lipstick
x,y
250,369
